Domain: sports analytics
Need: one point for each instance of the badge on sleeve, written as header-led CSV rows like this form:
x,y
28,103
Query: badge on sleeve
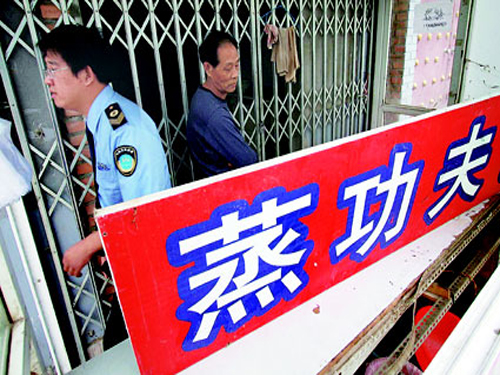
x,y
115,116
125,159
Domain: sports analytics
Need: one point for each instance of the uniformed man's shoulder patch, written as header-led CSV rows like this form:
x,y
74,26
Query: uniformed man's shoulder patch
x,y
115,115
125,159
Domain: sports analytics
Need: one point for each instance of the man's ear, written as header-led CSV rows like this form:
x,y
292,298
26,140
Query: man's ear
x,y
87,75
208,68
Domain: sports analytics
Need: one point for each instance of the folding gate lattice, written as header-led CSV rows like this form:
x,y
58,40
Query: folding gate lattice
x,y
157,41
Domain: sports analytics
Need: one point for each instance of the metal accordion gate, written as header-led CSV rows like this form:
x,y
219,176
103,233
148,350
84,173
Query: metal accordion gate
x,y
156,43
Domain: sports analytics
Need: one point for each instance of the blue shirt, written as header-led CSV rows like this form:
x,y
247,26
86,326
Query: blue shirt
x,y
129,157
215,142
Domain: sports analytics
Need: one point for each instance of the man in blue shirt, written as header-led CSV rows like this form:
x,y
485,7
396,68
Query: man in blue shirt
x,y
127,154
214,139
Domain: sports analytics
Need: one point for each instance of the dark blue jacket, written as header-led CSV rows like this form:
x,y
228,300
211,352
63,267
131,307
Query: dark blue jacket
x,y
214,140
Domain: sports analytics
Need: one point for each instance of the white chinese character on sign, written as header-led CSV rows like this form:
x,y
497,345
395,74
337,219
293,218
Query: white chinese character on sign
x,y
463,159
379,203
246,259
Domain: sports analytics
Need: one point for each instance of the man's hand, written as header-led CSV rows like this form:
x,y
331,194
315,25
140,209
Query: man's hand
x,y
78,255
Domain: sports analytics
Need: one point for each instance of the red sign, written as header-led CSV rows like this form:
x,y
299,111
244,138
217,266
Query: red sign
x,y
201,265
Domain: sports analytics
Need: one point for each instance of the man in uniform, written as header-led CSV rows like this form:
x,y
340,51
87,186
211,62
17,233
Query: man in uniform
x,y
126,150
214,139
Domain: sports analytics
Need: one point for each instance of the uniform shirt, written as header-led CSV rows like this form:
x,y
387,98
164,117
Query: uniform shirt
x,y
214,140
129,158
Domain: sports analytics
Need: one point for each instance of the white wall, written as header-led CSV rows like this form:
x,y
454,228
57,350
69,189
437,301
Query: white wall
x,y
482,66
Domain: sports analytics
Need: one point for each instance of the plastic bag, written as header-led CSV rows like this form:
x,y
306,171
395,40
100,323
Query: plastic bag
x,y
15,170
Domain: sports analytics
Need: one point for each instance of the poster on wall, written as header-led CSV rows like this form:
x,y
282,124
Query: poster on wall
x,y
433,17
202,265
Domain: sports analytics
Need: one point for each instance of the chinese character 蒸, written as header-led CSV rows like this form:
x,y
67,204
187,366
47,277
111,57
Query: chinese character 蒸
x,y
243,261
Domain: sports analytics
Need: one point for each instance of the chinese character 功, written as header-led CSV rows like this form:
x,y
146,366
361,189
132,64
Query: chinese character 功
x,y
392,189
243,261
463,159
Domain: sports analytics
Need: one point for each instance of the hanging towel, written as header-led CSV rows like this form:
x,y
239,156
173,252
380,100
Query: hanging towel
x,y
272,35
285,54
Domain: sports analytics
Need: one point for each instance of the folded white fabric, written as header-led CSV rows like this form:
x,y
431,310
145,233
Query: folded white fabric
x,y
14,168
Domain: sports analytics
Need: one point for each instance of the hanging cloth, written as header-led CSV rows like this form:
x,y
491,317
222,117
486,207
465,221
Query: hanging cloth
x,y
285,54
272,35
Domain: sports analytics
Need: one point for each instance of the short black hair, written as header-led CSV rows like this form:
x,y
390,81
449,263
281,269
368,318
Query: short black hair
x,y
208,49
79,47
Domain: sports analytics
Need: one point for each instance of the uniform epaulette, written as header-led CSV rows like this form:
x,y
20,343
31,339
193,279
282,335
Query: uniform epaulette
x,y
116,116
